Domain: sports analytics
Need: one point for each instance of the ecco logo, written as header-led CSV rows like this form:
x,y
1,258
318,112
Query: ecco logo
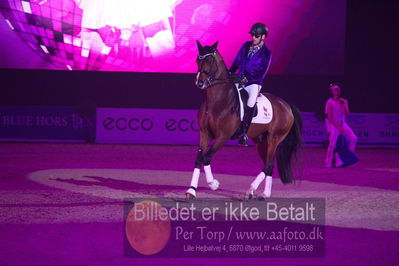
x,y
182,125
133,123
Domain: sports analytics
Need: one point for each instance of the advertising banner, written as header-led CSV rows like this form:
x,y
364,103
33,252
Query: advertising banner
x,y
40,123
146,126
166,126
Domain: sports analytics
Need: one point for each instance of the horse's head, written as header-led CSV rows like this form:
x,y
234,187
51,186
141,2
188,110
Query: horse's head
x,y
209,64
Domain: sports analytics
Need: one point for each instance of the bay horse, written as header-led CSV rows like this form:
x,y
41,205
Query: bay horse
x,y
219,119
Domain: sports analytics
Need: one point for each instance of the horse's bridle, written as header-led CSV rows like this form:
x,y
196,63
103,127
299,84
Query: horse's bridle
x,y
210,79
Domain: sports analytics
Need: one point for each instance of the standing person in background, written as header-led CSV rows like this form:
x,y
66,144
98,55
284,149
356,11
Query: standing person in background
x,y
336,110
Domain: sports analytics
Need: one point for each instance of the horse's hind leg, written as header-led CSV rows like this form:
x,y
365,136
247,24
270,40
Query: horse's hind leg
x,y
262,150
204,141
266,149
269,164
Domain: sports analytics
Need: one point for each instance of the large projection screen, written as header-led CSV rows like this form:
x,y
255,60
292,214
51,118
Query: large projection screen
x,y
305,36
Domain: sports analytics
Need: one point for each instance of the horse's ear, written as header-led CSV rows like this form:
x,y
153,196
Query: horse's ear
x,y
215,45
200,47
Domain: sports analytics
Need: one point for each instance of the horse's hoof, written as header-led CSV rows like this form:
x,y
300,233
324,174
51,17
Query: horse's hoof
x,y
190,194
263,197
214,185
249,194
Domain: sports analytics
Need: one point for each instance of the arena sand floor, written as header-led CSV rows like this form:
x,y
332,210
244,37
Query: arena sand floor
x,y
62,204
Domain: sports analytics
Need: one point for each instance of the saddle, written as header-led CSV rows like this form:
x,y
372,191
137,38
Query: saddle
x,y
263,112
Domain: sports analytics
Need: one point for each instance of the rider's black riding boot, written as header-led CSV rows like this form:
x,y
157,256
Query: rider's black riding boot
x,y
246,122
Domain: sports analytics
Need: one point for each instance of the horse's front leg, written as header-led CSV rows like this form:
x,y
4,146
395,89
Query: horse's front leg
x,y
204,141
227,127
205,159
211,181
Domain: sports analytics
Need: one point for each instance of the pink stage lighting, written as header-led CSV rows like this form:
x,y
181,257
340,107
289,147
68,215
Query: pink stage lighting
x,y
306,37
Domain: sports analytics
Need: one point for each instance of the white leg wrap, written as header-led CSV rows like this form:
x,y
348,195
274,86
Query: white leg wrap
x,y
194,182
212,182
268,186
194,179
208,173
255,184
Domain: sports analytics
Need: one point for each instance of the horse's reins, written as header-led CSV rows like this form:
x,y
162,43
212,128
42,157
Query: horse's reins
x,y
210,79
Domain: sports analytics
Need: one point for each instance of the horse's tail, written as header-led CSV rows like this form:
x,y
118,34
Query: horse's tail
x,y
288,148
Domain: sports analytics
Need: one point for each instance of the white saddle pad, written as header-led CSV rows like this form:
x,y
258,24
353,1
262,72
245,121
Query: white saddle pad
x,y
265,111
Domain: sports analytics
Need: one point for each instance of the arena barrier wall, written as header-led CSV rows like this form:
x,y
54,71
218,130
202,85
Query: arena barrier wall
x,y
161,126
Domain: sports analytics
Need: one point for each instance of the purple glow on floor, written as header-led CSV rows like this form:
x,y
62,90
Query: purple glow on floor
x,y
43,225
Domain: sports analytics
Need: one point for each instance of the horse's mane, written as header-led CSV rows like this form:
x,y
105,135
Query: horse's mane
x,y
232,96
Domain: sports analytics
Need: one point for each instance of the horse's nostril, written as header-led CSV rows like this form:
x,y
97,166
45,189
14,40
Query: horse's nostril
x,y
200,83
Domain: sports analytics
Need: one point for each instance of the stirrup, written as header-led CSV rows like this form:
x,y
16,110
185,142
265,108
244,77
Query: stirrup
x,y
243,140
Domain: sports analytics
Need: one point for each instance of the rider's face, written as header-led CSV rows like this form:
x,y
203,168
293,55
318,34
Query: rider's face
x,y
257,39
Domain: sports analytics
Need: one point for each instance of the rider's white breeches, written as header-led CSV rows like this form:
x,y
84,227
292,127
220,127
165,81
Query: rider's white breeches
x,y
253,91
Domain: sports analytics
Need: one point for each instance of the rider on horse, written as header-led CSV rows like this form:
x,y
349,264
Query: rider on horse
x,y
218,120
252,61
